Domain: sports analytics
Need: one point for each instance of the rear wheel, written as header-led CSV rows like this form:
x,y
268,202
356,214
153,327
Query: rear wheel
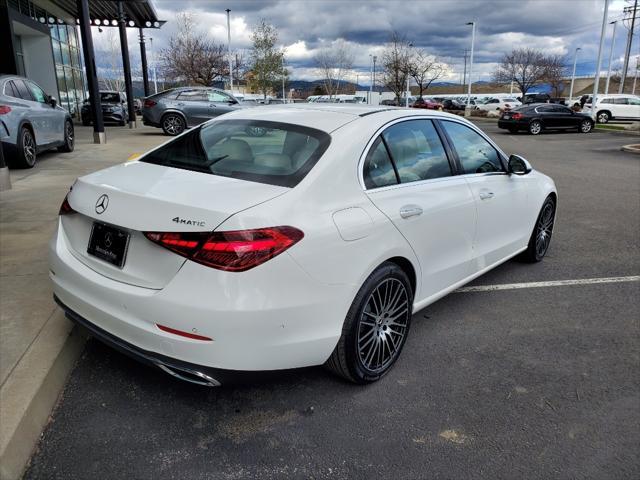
x,y
603,117
376,326
541,235
586,126
25,150
173,124
69,138
535,127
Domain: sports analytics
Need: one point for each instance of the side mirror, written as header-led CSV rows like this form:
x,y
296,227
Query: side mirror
x,y
52,101
518,165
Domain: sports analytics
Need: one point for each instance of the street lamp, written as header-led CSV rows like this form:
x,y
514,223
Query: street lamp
x,y
406,100
375,57
473,39
229,51
613,42
596,80
573,75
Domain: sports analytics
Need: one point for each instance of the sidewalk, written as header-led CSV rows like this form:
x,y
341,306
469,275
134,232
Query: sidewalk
x,y
38,346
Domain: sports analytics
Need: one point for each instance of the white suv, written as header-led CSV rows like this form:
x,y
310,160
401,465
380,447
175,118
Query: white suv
x,y
624,107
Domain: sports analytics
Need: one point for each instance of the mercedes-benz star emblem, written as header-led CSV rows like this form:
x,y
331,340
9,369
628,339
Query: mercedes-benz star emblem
x,y
102,204
108,241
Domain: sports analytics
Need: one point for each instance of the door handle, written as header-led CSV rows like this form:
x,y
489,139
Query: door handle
x,y
410,211
486,195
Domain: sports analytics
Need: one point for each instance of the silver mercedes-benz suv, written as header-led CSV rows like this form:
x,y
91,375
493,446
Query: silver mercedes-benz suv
x,y
179,108
30,122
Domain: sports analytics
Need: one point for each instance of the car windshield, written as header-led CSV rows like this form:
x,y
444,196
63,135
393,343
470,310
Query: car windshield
x,y
109,97
258,151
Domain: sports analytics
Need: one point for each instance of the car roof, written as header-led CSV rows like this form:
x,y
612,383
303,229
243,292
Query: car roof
x,y
328,116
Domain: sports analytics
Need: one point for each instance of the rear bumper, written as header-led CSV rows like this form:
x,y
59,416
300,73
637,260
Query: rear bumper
x,y
272,317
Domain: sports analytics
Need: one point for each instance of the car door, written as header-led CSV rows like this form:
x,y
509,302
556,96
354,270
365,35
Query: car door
x,y
503,215
35,114
633,108
52,118
548,116
195,106
624,108
565,117
219,103
408,176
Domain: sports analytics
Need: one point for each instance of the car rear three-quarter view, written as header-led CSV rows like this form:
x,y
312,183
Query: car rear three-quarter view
x,y
222,252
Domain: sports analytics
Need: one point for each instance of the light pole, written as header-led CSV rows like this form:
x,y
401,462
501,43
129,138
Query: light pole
x,y
573,75
283,95
375,57
473,39
596,81
229,51
613,42
406,100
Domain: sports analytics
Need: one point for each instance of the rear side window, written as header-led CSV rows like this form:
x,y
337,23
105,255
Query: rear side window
x,y
192,96
417,151
258,151
10,90
475,153
621,101
23,91
378,169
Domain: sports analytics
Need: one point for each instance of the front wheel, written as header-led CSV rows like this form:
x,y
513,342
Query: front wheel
x,y
69,138
376,326
535,127
541,236
586,126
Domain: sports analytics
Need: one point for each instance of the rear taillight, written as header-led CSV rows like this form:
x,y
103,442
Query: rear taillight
x,y
516,116
4,109
149,103
233,251
65,208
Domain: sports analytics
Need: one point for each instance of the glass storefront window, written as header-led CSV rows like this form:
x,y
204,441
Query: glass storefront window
x,y
54,31
65,54
73,39
74,57
57,56
62,33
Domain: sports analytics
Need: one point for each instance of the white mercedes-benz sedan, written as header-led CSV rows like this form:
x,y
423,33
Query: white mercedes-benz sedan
x,y
291,236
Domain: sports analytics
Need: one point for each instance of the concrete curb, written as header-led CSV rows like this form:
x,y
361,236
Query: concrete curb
x,y
631,148
31,391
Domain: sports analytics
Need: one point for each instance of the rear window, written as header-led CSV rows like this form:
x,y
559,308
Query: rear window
x,y
258,151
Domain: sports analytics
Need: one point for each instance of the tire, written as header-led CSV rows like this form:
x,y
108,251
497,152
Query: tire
x,y
542,232
535,127
513,130
26,150
69,138
585,126
173,124
370,343
603,116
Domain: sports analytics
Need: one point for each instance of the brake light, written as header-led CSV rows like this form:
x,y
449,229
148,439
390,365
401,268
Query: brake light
x,y
65,208
232,251
516,116
149,103
4,109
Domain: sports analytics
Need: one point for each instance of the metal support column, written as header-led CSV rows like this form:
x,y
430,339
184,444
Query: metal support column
x,y
92,77
143,57
126,66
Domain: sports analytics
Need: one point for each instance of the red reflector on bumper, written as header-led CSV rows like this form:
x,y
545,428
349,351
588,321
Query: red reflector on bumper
x,y
183,334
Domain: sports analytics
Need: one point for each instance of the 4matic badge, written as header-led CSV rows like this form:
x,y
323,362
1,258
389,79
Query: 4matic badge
x,y
184,221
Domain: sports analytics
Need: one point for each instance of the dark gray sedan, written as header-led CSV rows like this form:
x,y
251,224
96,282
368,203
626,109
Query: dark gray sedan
x,y
30,122
180,108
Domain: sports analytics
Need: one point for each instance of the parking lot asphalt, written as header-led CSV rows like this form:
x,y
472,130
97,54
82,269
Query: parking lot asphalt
x,y
527,383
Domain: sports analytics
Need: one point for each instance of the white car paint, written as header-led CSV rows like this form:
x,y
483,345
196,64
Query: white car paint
x,y
289,311
498,104
617,105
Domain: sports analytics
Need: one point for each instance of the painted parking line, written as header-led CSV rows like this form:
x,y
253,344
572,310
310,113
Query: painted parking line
x,y
554,283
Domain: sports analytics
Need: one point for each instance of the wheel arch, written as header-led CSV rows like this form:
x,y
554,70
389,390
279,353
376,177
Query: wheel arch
x,y
27,124
173,111
408,268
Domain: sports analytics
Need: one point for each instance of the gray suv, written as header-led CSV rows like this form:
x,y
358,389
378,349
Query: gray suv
x,y
180,108
30,122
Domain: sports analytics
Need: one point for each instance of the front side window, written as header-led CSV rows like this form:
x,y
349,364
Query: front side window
x,y
621,101
37,92
214,96
281,155
475,153
378,169
417,151
606,100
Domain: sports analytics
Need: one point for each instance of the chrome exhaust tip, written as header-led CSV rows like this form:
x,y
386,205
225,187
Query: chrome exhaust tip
x,y
188,375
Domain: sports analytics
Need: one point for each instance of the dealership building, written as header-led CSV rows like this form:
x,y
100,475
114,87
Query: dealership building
x,y
49,42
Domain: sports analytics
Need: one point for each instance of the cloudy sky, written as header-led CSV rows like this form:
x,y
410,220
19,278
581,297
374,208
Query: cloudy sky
x,y
438,26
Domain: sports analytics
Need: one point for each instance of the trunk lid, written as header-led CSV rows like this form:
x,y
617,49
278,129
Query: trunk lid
x,y
143,197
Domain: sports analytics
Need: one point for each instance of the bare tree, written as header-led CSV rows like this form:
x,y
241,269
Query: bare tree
x,y
266,59
524,66
333,63
396,61
425,69
112,77
556,71
192,58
